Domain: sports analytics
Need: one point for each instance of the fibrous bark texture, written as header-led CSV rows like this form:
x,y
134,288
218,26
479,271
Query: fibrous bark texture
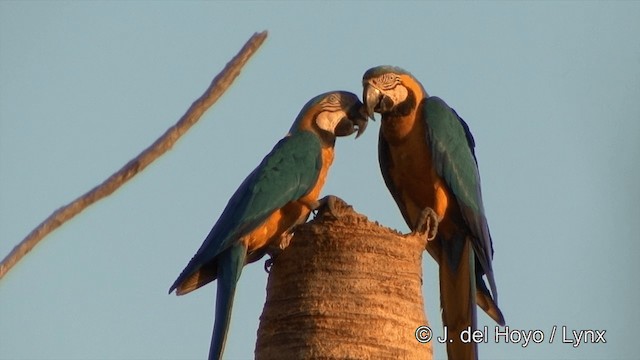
x,y
344,288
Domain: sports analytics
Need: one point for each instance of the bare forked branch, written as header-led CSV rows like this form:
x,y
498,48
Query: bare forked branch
x,y
218,86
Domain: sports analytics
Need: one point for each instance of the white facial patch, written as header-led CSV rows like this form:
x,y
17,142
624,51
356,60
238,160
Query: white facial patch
x,y
328,120
398,94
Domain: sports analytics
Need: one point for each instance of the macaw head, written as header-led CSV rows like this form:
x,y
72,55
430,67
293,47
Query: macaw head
x,y
332,114
390,90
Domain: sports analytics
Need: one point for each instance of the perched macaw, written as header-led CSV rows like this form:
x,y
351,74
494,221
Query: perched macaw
x,y
427,158
278,195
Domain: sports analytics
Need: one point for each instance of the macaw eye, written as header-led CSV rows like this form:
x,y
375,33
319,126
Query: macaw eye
x,y
331,102
388,81
333,99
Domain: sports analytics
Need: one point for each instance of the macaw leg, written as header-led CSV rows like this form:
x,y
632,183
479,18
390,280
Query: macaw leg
x,y
229,270
427,223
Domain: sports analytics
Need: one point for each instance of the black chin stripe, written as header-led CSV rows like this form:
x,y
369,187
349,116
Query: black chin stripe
x,y
405,107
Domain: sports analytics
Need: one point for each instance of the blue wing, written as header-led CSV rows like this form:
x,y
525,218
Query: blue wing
x,y
452,146
286,174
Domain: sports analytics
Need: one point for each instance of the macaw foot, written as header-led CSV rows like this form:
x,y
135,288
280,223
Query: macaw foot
x,y
427,224
283,241
328,202
276,248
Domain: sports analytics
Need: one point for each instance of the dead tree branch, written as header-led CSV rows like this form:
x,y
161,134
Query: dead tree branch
x,y
218,86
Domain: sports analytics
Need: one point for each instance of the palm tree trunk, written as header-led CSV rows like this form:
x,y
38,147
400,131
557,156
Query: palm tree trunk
x,y
344,288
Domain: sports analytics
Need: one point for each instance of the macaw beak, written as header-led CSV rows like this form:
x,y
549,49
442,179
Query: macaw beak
x,y
361,123
355,121
372,98
359,116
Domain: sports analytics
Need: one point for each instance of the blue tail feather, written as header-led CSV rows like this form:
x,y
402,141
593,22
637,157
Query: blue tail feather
x,y
230,265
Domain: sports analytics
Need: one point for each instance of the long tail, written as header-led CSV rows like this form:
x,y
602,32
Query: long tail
x,y
229,269
486,302
458,297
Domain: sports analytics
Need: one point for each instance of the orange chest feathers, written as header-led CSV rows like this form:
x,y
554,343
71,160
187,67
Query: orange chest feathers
x,y
410,167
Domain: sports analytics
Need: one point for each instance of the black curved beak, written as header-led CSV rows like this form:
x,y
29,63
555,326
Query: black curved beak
x,y
372,98
359,116
355,121
362,124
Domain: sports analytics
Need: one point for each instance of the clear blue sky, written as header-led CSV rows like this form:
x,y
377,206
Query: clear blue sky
x,y
549,89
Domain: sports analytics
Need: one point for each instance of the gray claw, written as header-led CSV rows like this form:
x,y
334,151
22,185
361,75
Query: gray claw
x,y
428,223
268,264
329,202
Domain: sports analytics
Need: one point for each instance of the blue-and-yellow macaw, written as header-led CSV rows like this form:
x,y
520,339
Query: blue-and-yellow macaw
x,y
427,159
279,194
